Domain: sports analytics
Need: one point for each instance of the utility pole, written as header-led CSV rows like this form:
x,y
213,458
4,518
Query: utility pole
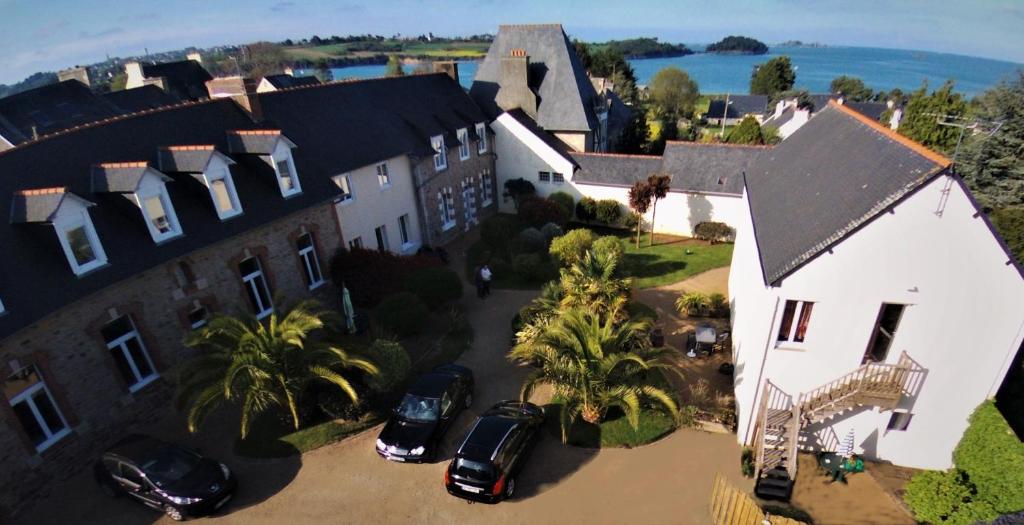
x,y
725,113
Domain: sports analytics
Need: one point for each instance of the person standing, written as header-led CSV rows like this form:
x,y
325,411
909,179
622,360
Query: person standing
x,y
478,280
485,276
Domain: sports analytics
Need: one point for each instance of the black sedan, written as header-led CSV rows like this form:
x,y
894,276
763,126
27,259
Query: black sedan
x,y
414,431
486,465
169,478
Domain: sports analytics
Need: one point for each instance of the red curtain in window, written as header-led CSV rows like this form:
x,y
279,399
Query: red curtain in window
x,y
801,325
787,320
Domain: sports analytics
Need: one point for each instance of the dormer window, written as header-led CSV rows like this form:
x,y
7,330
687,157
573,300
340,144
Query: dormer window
x,y
286,178
146,188
163,225
69,216
463,144
383,176
275,149
210,168
481,133
440,154
225,198
78,238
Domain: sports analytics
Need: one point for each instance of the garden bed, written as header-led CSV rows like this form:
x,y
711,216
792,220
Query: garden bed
x,y
270,437
615,431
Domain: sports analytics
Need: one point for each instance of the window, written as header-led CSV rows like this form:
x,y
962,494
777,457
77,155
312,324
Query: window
x,y
310,261
440,155
543,176
225,199
382,237
383,177
795,332
486,188
160,217
403,231
468,202
446,207
256,287
35,409
198,316
899,421
557,178
344,184
129,353
356,243
885,330
80,243
463,144
481,133
286,178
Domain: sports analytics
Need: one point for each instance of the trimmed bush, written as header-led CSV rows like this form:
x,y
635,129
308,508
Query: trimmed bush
x,y
538,212
565,201
531,240
718,305
435,286
403,313
371,275
551,230
608,211
945,498
532,267
519,189
609,245
571,247
586,209
714,232
693,304
393,362
497,231
993,458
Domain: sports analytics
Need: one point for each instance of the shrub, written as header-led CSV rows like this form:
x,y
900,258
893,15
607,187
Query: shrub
x,y
609,245
571,247
946,498
519,189
403,313
714,232
532,267
631,220
371,275
538,212
693,304
608,211
498,231
393,362
747,462
436,285
1009,222
565,201
530,240
551,230
718,306
993,458
586,209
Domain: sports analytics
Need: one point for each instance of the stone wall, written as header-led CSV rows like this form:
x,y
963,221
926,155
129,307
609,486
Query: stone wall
x,y
473,171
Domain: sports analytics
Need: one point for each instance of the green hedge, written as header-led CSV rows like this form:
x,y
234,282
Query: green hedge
x,y
435,286
565,201
571,247
393,362
993,458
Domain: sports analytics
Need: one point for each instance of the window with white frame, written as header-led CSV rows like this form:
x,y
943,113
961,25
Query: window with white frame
x,y
286,177
198,316
557,178
440,153
793,327
80,243
463,144
381,232
481,133
356,243
344,183
446,207
160,217
255,284
383,177
468,202
486,188
310,261
403,232
35,409
544,176
129,353
225,198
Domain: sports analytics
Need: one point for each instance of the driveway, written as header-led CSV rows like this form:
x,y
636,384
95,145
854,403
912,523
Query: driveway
x,y
666,482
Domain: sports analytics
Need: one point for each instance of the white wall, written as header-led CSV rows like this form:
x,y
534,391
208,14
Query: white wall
x,y
962,323
521,154
373,206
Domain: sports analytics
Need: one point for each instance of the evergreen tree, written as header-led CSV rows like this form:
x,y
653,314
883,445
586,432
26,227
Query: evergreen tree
x,y
993,165
924,110
747,132
852,88
772,77
673,92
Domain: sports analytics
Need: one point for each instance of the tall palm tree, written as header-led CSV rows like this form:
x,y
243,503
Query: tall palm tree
x,y
640,200
593,363
264,365
659,186
591,284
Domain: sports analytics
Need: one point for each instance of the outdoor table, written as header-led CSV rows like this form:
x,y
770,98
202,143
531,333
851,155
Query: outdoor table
x,y
706,338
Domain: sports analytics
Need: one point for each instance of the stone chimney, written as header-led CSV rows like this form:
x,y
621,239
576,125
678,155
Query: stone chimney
x,y
195,57
135,77
80,74
449,67
513,84
241,90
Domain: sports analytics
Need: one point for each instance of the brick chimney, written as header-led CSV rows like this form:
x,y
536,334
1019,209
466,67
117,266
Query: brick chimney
x,y
513,83
195,57
448,66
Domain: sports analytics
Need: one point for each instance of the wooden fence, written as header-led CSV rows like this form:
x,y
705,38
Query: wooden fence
x,y
731,506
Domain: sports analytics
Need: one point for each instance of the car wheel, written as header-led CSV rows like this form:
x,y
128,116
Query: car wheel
x,y
174,513
510,488
469,399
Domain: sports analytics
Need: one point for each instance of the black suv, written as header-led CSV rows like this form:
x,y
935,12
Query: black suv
x,y
164,476
414,431
486,465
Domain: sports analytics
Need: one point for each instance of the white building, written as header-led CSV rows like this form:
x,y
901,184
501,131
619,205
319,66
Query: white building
x,y
865,266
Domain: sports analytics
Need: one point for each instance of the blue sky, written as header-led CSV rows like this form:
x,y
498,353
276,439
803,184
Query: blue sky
x,y
52,34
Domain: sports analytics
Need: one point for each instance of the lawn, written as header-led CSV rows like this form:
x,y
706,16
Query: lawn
x,y
670,260
270,438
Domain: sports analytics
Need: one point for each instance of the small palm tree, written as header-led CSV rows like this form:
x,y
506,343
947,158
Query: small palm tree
x,y
693,303
593,363
640,195
264,365
659,186
591,284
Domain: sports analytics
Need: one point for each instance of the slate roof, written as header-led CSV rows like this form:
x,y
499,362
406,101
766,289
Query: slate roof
x,y
289,81
253,141
51,108
185,159
619,115
566,95
777,122
552,141
835,174
185,79
870,109
612,169
739,106
140,99
37,205
118,177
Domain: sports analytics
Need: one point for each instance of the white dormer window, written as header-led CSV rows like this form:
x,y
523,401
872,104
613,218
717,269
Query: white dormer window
x,y
344,184
80,243
383,177
222,191
481,144
286,177
440,154
463,144
160,217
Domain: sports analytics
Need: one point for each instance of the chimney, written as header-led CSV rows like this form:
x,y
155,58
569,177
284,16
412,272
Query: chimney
x,y
134,72
80,74
513,84
195,57
289,71
241,90
840,101
450,67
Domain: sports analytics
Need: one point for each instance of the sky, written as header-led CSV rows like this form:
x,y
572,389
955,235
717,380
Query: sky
x,y
48,35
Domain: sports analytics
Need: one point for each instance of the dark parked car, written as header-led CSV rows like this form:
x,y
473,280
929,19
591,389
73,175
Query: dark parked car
x,y
173,479
417,425
486,465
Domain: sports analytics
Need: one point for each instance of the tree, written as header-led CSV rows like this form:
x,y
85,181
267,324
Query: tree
x,y
747,132
640,201
593,362
659,185
394,67
772,77
518,189
583,53
852,88
591,283
993,164
921,116
265,365
571,247
673,92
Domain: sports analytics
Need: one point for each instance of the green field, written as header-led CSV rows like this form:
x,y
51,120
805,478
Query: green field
x,y
389,47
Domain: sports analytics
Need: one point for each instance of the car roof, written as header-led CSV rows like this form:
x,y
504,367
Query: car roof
x,y
487,435
135,447
432,384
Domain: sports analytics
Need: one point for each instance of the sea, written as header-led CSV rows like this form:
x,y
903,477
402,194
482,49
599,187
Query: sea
x,y
880,69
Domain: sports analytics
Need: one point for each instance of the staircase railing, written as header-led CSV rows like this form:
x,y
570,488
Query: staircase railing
x,y
878,381
774,402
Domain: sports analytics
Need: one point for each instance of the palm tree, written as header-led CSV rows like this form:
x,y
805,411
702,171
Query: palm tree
x,y
640,201
264,365
591,284
659,186
693,303
594,362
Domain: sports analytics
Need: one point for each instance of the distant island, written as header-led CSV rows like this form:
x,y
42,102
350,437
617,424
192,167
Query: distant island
x,y
644,48
797,43
738,45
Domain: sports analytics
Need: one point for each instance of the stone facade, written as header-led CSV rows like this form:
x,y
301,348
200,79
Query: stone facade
x,y
71,354
464,183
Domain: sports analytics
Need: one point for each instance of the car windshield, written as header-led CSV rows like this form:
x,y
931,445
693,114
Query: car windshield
x,y
168,465
474,470
420,409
